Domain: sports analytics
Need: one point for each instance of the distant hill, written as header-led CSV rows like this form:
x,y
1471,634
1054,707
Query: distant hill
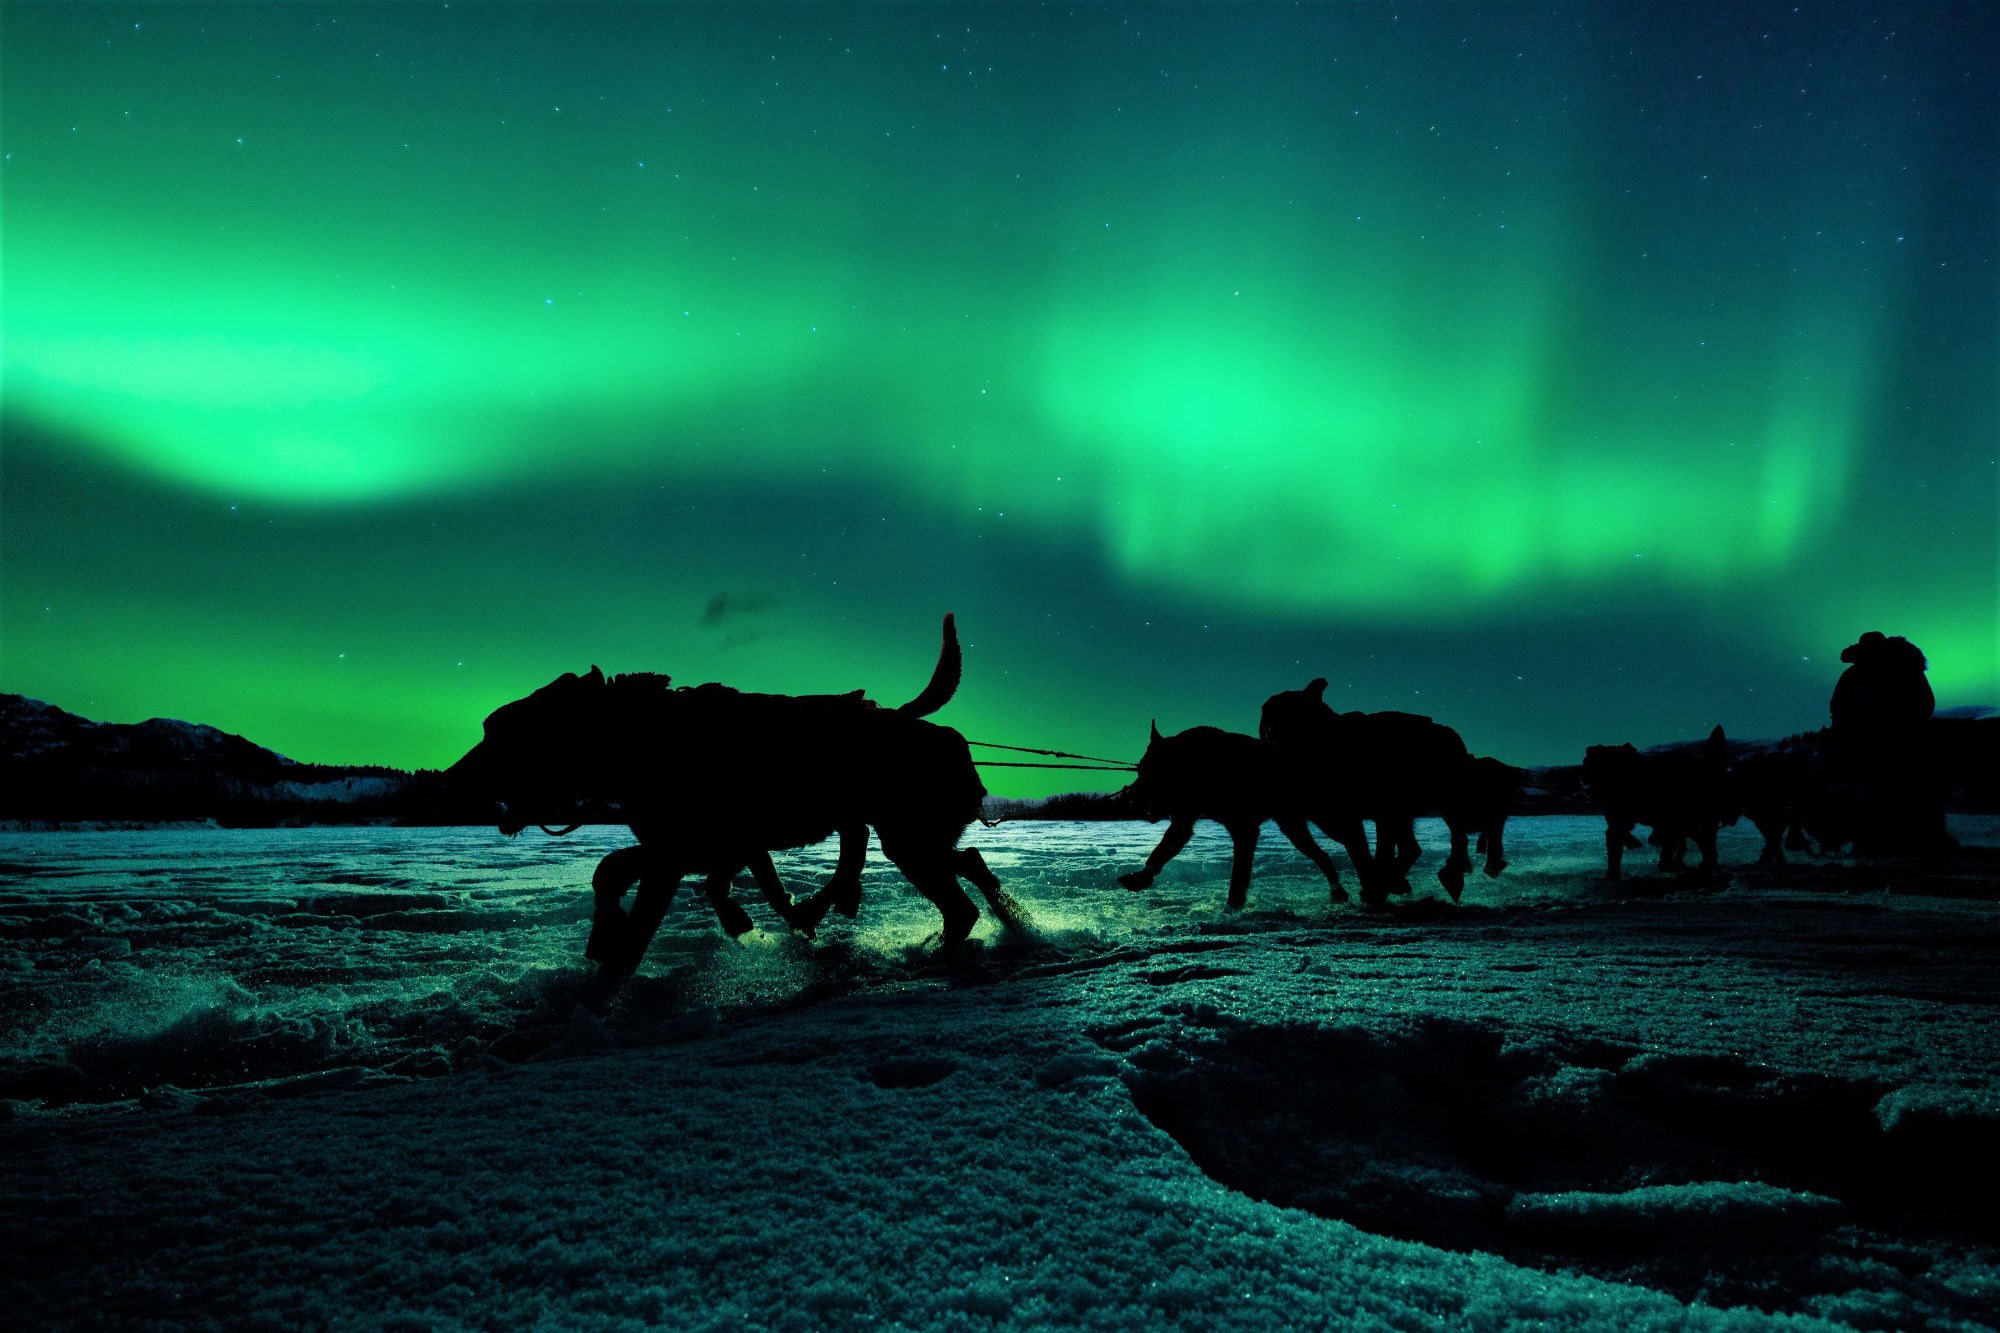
x,y
58,767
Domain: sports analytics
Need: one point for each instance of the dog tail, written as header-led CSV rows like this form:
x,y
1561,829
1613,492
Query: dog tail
x,y
944,679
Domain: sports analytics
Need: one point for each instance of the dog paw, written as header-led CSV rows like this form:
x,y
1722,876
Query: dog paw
x,y
1138,879
958,928
806,916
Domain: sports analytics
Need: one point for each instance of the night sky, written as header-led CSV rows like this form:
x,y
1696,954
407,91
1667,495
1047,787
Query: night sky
x,y
1573,373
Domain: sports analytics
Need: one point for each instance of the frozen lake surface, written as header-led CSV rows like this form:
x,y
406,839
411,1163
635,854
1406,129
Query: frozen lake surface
x,y
199,958
1562,1099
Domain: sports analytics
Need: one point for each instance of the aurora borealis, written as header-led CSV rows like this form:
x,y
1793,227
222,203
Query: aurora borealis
x,y
1574,375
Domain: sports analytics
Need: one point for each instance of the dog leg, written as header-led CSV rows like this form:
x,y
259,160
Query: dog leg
x,y
1395,847
1395,853
1772,854
1299,834
773,889
1349,832
1377,879
1407,850
972,868
616,873
937,880
960,916
809,912
931,865
734,920
843,891
1388,843
1242,857
649,908
1452,873
1496,856
1171,842
1710,869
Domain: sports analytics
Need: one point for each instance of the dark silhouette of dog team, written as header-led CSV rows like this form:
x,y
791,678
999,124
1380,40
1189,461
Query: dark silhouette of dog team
x,y
1239,782
1390,768
1680,797
712,780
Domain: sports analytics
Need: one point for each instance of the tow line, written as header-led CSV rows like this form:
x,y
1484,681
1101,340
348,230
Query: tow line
x,y
1097,762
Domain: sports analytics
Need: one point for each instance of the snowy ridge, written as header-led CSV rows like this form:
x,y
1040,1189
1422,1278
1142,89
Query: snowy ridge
x,y
56,767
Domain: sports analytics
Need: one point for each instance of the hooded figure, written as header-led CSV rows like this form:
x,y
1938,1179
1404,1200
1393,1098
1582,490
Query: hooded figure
x,y
1881,709
1883,692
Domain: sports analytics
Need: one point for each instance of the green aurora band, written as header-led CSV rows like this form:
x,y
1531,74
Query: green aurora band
x,y
1414,329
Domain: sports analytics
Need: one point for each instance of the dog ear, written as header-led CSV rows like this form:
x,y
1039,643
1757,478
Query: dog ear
x,y
1154,727
596,676
1316,687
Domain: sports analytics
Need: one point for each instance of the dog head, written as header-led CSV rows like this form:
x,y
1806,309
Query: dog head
x,y
541,756
1148,794
1489,787
1294,716
1609,771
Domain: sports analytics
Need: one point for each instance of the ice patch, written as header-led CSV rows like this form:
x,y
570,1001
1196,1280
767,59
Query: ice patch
x,y
1726,1216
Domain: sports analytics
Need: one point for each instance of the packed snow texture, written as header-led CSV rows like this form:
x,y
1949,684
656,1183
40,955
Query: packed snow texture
x,y
363,1075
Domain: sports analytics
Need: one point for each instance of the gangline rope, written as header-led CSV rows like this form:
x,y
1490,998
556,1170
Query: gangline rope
x,y
1101,768
1095,759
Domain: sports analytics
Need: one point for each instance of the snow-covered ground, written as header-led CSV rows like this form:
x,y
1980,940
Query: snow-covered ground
x,y
363,1077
